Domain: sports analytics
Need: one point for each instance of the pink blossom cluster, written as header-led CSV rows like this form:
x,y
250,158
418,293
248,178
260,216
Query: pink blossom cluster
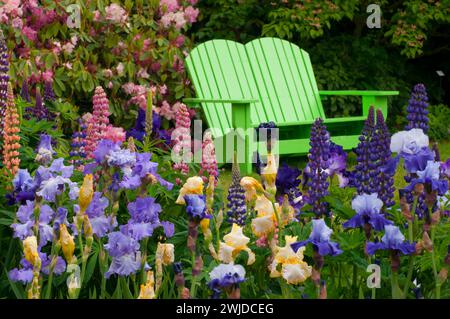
x,y
115,134
10,9
99,122
113,13
181,137
174,14
209,161
138,93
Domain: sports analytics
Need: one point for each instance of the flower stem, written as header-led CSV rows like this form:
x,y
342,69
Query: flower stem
x,y
396,292
433,258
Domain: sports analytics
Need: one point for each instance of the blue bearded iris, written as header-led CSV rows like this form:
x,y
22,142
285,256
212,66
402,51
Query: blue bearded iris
x,y
320,239
367,209
393,239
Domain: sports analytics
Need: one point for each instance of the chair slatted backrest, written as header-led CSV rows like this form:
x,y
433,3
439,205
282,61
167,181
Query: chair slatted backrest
x,y
219,69
276,72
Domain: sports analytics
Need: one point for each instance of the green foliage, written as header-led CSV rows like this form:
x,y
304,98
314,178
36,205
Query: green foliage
x,y
439,116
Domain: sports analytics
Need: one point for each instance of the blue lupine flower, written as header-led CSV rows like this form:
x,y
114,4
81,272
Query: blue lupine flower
x,y
318,161
385,187
226,276
417,109
49,95
237,208
196,206
393,239
24,92
320,239
364,175
430,176
367,209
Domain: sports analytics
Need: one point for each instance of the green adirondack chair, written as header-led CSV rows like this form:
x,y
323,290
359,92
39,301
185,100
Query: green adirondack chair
x,y
268,79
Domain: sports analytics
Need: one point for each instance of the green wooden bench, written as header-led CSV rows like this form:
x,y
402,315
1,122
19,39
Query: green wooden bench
x,y
268,79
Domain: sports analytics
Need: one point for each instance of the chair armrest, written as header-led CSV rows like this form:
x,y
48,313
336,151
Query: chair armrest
x,y
377,99
191,101
359,93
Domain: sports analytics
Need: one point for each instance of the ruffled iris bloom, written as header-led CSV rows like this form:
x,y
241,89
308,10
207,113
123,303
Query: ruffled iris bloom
x,y
226,276
196,207
24,188
393,239
320,239
430,176
45,150
126,257
144,219
412,146
24,274
26,218
367,208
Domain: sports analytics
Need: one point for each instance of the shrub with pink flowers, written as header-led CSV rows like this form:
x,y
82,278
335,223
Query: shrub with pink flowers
x,y
128,48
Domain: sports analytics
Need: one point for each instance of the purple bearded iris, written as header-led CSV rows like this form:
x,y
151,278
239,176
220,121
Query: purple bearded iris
x,y
320,239
412,146
226,276
26,218
54,180
445,168
24,188
287,178
25,273
126,257
337,164
196,207
138,131
430,177
45,150
132,179
367,209
144,219
393,239
101,224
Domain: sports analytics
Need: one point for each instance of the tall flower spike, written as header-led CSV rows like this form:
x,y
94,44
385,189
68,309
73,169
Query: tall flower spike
x,y
25,91
318,163
237,208
98,124
209,162
49,95
4,78
78,144
182,139
39,111
385,185
11,136
417,109
366,169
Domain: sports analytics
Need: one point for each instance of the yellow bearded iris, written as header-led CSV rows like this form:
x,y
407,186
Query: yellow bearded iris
x,y
233,244
193,186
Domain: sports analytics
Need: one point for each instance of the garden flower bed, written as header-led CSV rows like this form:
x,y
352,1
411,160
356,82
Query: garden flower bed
x,y
101,200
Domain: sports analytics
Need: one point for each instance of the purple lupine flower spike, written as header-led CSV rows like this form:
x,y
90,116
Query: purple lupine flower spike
x,y
237,209
417,109
365,169
49,95
318,161
39,111
385,185
25,92
4,78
